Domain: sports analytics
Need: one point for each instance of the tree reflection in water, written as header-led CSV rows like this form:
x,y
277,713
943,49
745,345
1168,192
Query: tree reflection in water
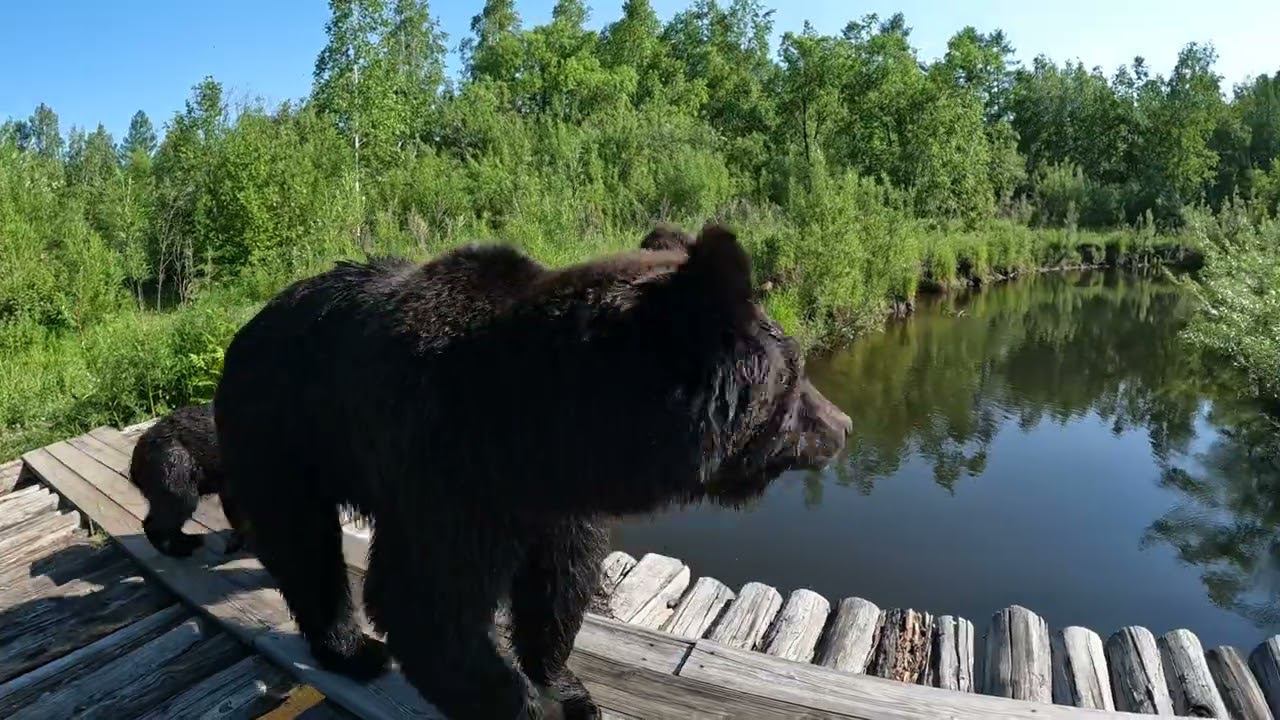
x,y
1051,349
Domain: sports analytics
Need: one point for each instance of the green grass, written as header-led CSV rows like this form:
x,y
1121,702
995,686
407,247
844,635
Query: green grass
x,y
833,278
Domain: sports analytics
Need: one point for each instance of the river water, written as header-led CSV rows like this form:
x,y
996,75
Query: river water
x,y
1047,442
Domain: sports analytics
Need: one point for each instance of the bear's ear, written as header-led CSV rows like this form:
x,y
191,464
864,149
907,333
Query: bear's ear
x,y
665,236
718,262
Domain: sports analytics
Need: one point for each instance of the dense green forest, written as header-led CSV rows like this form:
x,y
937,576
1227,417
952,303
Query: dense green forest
x,y
855,171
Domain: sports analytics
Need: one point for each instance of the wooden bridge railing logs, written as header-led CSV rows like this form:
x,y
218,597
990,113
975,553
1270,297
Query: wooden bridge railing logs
x,y
1190,683
699,608
744,624
1137,674
615,566
9,474
647,595
906,640
1080,669
1016,660
795,631
1265,663
1240,692
852,637
951,660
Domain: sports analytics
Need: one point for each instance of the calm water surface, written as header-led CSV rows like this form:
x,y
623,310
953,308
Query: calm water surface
x,y
1046,442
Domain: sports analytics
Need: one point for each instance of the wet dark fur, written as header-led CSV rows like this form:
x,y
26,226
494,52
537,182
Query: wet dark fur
x,y
173,464
487,413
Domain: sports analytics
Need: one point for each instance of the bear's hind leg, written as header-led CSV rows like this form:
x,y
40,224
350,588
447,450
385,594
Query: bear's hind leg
x,y
549,595
302,549
434,592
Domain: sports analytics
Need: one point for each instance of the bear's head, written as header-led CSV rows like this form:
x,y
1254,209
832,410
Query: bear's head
x,y
665,236
757,415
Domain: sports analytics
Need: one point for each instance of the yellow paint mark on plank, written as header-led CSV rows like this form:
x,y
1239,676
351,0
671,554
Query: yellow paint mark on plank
x,y
303,698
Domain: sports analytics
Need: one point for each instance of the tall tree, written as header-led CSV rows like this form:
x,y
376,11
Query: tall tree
x,y
141,136
40,133
351,77
493,52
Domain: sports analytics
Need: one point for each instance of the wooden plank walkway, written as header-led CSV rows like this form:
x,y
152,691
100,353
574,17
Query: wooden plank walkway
x,y
116,629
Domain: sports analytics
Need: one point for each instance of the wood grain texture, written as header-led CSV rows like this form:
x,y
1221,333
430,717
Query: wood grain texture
x,y
951,663
1016,659
648,594
242,691
631,645
23,689
22,505
42,529
141,679
39,630
744,624
9,474
1239,689
1080,676
1191,684
225,593
905,646
1137,675
699,609
820,689
851,639
795,631
615,567
1265,663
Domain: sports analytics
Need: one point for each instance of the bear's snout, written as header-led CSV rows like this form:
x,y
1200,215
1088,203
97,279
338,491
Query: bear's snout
x,y
820,429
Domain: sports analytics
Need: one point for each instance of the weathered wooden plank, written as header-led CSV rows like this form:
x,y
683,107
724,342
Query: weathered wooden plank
x,y
699,608
905,645
615,567
133,431
77,559
37,631
1239,689
22,505
138,679
852,638
390,696
1265,663
744,624
795,631
1016,659
816,689
1137,675
244,609
48,525
951,662
1080,669
109,482
647,595
30,589
631,645
245,690
642,693
22,690
20,561
9,473
1190,683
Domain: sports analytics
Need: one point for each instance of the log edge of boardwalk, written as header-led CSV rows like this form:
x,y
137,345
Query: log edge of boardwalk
x,y
805,657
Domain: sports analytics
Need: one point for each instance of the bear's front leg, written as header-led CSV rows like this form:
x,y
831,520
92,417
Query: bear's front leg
x,y
549,595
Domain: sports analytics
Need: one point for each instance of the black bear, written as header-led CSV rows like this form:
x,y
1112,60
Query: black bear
x,y
173,464
487,413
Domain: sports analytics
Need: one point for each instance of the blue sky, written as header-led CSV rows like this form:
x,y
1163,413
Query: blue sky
x,y
96,61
